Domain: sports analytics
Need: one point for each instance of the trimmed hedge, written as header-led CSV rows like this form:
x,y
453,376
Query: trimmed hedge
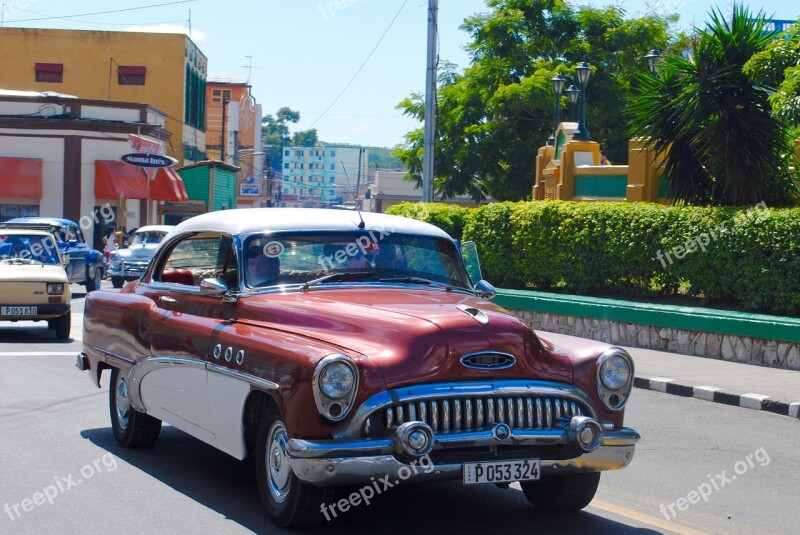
x,y
749,256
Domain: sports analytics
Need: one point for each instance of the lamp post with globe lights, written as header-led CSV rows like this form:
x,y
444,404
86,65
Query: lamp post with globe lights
x,y
583,71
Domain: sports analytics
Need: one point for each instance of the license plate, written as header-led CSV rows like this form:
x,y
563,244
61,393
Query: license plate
x,y
501,471
19,311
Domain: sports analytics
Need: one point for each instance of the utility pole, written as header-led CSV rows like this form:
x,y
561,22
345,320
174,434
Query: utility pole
x,y
223,140
430,102
358,177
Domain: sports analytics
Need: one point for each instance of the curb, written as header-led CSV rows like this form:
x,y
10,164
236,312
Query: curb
x,y
717,395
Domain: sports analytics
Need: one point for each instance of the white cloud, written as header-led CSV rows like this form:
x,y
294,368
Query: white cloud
x,y
198,36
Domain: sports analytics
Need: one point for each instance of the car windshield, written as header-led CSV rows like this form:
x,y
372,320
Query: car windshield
x,y
148,237
362,256
31,248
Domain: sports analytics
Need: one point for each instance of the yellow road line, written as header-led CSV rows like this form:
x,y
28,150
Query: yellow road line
x,y
646,519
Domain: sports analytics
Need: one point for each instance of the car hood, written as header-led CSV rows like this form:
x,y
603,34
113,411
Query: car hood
x,y
32,273
144,251
413,336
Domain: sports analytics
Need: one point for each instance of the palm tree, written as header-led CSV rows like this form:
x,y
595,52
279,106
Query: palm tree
x,y
712,121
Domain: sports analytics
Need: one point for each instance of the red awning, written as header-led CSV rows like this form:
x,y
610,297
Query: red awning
x,y
168,186
21,177
113,179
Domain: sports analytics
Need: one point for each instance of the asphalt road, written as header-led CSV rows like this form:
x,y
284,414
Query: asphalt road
x,y
62,469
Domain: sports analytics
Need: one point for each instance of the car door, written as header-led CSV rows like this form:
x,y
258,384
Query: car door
x,y
78,252
184,324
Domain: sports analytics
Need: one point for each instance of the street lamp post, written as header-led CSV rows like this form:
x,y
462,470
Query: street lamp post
x,y
558,87
583,71
572,94
653,58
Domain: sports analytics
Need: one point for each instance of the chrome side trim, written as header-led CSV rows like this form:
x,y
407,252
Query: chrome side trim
x,y
150,364
108,355
257,382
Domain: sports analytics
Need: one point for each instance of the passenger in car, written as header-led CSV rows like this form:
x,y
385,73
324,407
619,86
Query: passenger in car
x,y
260,267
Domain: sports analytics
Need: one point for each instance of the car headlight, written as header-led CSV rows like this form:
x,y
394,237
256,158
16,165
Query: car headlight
x,y
335,383
614,377
336,380
55,288
615,371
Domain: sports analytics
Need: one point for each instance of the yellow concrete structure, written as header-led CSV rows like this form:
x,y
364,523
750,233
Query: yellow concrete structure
x,y
166,71
571,170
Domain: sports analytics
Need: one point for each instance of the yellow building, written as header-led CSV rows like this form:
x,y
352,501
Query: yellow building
x,y
166,71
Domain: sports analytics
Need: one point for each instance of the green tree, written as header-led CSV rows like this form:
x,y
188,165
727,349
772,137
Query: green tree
x,y
276,134
713,121
493,117
778,67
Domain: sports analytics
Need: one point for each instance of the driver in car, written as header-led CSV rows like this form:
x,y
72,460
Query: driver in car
x,y
260,267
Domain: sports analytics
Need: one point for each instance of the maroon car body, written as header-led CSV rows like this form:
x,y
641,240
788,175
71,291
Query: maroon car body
x,y
369,349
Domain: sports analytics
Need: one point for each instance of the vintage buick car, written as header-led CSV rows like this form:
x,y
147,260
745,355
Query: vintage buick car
x,y
130,263
84,265
340,348
33,283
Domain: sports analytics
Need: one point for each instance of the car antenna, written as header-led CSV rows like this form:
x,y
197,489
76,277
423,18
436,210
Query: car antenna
x,y
355,195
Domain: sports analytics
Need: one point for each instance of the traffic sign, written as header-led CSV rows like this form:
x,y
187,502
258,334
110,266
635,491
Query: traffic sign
x,y
148,160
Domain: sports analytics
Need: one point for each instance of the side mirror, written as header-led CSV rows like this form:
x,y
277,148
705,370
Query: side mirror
x,y
65,259
213,287
485,290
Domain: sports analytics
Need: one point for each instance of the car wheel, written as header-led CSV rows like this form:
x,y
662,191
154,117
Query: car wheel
x,y
132,429
93,283
117,282
289,502
560,494
61,326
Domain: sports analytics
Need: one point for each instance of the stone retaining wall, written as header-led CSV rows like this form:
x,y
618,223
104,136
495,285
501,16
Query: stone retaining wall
x,y
702,344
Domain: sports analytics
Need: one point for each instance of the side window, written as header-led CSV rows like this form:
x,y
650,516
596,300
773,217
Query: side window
x,y
191,261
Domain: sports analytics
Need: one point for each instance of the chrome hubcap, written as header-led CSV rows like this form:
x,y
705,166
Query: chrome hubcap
x,y
123,404
278,469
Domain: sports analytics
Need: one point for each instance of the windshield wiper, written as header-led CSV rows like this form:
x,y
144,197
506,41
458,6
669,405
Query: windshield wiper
x,y
337,277
418,280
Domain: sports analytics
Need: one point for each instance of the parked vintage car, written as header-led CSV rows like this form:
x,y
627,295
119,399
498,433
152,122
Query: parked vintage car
x,y
84,265
339,348
130,263
33,283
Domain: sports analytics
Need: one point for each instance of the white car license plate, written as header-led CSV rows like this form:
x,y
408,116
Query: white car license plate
x,y
501,471
19,311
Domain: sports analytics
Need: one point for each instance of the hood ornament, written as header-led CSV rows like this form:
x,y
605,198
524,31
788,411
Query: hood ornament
x,y
478,315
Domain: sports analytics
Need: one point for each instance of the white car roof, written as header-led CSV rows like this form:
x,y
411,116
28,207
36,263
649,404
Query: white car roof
x,y
155,228
23,232
257,220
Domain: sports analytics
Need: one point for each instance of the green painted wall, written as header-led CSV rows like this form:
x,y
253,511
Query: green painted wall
x,y
196,182
601,186
224,189
672,316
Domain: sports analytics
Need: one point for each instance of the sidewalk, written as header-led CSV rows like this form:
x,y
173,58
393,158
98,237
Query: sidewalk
x,y
731,383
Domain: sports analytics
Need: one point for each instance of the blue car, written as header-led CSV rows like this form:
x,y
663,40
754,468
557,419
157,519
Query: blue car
x,y
85,265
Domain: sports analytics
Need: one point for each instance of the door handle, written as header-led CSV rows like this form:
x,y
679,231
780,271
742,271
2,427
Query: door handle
x,y
166,299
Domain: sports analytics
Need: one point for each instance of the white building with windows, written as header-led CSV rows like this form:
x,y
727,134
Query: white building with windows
x,y
322,176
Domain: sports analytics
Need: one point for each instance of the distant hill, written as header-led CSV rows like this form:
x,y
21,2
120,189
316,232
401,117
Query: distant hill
x,y
378,156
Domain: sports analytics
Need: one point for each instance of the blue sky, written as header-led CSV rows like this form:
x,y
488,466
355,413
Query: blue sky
x,y
304,52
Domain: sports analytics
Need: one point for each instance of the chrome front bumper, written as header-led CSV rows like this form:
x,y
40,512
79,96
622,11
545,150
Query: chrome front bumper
x,y
350,462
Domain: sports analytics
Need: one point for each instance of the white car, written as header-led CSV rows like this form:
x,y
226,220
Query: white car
x,y
33,282
129,264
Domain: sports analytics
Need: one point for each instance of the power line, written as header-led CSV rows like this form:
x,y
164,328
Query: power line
x,y
361,67
66,17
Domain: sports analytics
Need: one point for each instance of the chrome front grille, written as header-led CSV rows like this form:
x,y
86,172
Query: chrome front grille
x,y
472,413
